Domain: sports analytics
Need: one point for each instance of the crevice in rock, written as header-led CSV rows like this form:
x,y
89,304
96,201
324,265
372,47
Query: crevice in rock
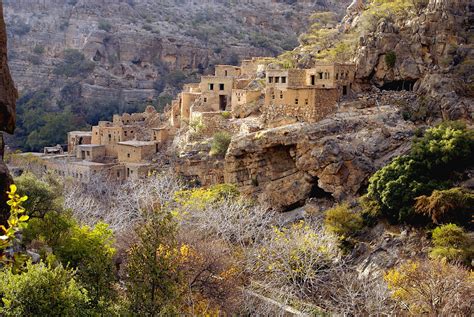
x,y
399,85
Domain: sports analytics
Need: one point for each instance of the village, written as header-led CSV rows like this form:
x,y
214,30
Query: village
x,y
131,146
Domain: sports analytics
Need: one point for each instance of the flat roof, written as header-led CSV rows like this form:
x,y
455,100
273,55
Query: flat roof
x,y
81,132
90,145
137,143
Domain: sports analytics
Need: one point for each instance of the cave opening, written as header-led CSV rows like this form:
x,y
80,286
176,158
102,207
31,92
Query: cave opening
x,y
318,192
399,85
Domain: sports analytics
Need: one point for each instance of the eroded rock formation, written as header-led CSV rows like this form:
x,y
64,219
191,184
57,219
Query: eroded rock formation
x,y
284,166
8,97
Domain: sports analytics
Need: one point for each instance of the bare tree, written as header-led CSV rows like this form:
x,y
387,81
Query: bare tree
x,y
120,205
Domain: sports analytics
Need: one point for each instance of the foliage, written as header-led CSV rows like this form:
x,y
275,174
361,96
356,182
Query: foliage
x,y
74,64
105,26
201,197
153,280
42,290
16,222
196,125
90,251
452,205
429,166
434,288
342,221
220,143
390,59
452,243
226,114
43,196
38,49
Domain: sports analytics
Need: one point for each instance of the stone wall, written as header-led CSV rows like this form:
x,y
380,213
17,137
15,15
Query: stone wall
x,y
212,122
8,96
299,104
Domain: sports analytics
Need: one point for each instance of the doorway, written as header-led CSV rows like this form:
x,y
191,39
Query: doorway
x,y
344,90
222,102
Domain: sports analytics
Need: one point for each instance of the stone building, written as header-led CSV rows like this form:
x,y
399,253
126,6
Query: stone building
x,y
306,94
91,152
216,93
136,151
76,138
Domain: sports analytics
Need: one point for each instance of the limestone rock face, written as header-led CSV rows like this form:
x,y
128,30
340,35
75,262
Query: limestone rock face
x,y
433,52
8,97
136,45
284,166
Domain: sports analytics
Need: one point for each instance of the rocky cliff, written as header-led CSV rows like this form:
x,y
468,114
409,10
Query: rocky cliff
x,y
8,97
332,159
141,48
413,69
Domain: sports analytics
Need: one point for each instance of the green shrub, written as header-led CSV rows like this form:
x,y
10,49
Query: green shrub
x,y
226,114
390,59
105,26
433,159
38,49
202,197
452,205
220,143
74,64
42,291
342,221
452,243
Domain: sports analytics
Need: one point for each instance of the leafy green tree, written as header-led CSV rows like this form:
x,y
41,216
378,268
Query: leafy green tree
x,y
42,290
452,243
153,280
90,251
43,196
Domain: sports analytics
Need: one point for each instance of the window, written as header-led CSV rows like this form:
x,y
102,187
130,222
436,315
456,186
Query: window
x,y
320,75
281,95
88,153
128,154
125,132
211,86
313,80
205,99
296,101
273,96
225,73
277,80
283,80
221,86
270,80
337,76
238,99
306,102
